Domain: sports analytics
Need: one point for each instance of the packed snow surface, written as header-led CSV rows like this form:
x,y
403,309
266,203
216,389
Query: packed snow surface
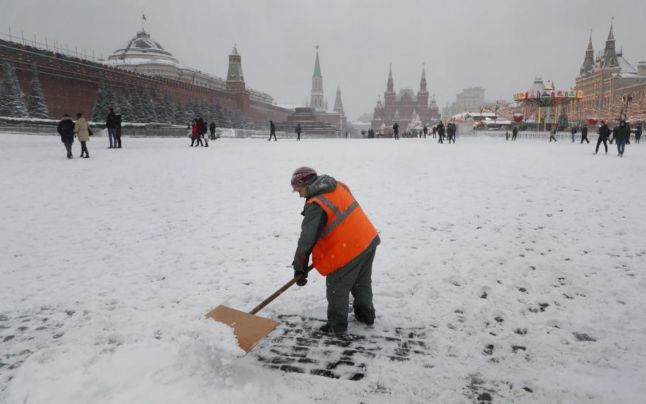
x,y
524,261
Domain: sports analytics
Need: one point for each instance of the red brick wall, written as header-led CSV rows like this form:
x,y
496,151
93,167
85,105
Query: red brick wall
x,y
70,85
260,112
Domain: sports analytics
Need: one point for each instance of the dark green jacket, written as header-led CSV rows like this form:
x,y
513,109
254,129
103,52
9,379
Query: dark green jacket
x,y
621,133
314,220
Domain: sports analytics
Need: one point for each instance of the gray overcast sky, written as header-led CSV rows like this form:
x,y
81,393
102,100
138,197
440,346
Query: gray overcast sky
x,y
497,44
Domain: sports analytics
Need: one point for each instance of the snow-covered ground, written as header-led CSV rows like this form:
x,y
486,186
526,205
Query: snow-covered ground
x,y
524,262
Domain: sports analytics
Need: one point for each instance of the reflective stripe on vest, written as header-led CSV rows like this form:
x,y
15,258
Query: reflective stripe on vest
x,y
340,216
347,233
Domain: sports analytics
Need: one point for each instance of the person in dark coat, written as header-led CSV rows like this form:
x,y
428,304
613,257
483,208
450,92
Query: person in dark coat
x,y
584,134
440,132
574,130
212,130
638,133
201,130
298,131
396,131
272,131
621,134
424,131
451,129
65,128
111,125
604,133
514,133
342,246
117,131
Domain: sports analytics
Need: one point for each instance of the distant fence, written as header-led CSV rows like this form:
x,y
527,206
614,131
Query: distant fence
x,y
537,136
48,127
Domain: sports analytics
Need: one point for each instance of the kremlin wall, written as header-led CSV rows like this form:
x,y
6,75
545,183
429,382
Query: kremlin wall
x,y
71,84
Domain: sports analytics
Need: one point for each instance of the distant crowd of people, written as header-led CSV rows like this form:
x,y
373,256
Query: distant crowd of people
x,y
69,129
620,135
199,130
438,131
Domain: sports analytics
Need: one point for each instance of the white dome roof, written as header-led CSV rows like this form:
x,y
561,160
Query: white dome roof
x,y
143,49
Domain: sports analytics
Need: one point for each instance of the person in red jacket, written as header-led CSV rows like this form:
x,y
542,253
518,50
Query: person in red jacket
x,y
342,242
194,132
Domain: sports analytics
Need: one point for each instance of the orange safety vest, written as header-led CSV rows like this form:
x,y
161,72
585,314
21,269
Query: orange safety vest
x,y
347,233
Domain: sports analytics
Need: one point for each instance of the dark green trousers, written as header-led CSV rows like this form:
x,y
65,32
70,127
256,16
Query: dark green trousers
x,y
355,278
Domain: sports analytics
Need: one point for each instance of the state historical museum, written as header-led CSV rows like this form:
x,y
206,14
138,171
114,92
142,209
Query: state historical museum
x,y
405,108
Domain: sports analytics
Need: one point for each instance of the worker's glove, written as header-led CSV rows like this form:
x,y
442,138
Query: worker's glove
x,y
299,272
302,281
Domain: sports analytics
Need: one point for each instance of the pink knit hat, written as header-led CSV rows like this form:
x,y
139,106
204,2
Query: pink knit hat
x,y
303,176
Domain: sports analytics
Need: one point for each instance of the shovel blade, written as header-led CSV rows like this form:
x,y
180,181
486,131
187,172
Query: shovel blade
x,y
248,328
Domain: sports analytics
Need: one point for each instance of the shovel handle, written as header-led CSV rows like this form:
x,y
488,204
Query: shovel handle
x,y
279,292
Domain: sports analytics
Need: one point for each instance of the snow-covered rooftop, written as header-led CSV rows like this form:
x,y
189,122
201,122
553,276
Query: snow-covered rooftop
x,y
143,47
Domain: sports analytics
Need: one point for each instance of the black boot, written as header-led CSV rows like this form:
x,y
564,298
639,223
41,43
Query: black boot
x,y
365,320
328,329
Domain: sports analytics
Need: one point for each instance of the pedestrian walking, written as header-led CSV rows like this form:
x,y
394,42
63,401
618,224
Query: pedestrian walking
x,y
440,132
82,131
396,131
65,128
424,131
451,129
584,134
604,133
212,130
552,133
117,131
111,126
272,131
514,133
201,130
342,242
638,133
573,130
621,134
194,133
298,131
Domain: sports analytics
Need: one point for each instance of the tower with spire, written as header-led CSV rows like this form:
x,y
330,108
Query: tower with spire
x,y
588,62
235,81
317,99
390,97
338,104
609,53
235,78
422,98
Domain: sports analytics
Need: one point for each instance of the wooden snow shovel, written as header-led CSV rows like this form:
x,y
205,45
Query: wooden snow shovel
x,y
249,328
